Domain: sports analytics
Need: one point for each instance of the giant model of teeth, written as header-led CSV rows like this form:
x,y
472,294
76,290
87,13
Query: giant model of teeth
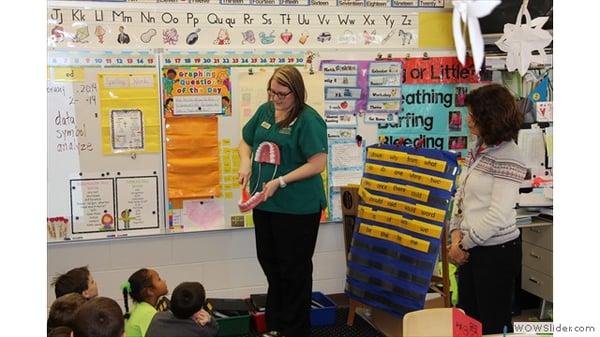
x,y
266,153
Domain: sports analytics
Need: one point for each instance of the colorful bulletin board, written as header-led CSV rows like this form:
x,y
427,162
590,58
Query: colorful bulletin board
x,y
146,104
434,113
202,147
192,98
197,91
247,86
405,198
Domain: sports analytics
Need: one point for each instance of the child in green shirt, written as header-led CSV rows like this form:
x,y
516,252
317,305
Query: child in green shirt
x,y
145,288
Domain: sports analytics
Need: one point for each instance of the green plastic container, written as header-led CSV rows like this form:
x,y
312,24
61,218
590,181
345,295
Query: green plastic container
x,y
231,326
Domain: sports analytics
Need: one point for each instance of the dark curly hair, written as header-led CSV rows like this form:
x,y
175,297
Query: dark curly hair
x,y
494,111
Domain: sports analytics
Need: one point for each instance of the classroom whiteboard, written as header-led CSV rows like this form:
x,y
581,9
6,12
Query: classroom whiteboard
x,y
100,195
110,173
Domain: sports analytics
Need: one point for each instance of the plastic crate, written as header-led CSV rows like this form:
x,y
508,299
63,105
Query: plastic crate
x,y
259,321
322,316
318,316
232,326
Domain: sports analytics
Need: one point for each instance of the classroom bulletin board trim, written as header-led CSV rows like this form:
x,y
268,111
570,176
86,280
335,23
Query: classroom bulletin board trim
x,y
235,59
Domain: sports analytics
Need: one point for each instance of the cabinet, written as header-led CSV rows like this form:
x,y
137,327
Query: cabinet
x,y
536,275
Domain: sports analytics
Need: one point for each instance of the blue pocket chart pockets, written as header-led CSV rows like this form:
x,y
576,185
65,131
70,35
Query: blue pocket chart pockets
x,y
405,196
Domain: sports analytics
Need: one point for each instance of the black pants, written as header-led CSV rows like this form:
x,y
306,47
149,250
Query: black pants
x,y
285,244
486,284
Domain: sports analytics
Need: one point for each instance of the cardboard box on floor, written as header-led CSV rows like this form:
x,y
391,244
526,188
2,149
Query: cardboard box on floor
x,y
390,325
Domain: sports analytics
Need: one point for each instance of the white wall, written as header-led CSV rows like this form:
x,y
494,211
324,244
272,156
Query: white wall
x,y
223,261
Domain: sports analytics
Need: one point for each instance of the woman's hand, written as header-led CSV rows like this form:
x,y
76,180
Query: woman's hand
x,y
456,255
244,172
456,235
270,188
201,317
245,152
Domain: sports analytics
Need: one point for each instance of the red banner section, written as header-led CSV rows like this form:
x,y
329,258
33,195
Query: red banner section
x,y
435,70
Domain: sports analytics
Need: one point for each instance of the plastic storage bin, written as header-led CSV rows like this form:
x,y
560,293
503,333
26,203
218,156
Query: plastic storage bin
x,y
325,315
233,325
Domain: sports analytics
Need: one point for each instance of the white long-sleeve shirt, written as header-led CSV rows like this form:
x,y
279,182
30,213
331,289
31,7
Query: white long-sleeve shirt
x,y
490,189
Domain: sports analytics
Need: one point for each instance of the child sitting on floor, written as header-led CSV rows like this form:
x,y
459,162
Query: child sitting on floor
x,y
63,310
99,317
145,288
77,280
186,317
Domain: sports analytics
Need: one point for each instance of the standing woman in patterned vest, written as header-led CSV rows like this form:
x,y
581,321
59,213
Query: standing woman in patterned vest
x,y
486,243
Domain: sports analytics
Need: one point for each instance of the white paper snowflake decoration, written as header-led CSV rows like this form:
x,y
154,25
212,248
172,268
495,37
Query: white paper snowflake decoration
x,y
519,40
469,12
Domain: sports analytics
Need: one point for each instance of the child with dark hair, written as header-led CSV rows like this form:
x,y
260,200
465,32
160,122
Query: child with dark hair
x,y
145,288
63,310
186,317
99,317
77,280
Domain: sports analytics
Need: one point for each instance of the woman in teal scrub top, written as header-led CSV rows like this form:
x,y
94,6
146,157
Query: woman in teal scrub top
x,y
287,221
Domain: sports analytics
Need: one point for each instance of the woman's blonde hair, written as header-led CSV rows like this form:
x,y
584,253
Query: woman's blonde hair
x,y
290,77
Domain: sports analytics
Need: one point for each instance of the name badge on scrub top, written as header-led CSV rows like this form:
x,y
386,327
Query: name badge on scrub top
x,y
265,125
286,131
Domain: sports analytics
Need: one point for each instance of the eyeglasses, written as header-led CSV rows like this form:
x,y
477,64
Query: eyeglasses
x,y
279,95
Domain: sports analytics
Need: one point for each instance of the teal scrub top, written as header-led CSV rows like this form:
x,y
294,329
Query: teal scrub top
x,y
304,138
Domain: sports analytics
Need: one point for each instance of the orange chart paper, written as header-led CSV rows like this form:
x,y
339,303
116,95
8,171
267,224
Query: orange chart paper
x,y
192,157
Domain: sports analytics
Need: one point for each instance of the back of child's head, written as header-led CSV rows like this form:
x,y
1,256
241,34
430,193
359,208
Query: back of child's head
x,y
73,281
187,299
136,287
99,317
61,331
63,310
